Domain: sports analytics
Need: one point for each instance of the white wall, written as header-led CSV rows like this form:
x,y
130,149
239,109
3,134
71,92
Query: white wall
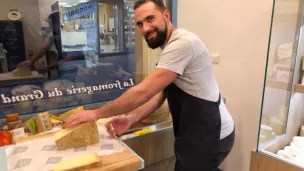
x,y
238,30
30,18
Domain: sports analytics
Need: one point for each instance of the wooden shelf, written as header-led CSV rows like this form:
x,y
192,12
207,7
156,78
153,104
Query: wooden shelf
x,y
278,84
299,88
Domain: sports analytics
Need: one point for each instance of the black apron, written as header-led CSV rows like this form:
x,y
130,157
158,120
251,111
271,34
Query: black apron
x,y
197,127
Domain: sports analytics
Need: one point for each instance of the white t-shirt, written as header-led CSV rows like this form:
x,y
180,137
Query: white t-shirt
x,y
186,55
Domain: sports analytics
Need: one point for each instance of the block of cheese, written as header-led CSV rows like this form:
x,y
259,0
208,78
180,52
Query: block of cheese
x,y
67,114
77,136
43,122
79,163
296,151
22,71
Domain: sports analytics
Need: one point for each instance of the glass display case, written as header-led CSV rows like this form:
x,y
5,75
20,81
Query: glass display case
x,y
280,144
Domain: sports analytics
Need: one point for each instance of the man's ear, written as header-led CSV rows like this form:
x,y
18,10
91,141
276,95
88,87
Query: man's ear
x,y
167,15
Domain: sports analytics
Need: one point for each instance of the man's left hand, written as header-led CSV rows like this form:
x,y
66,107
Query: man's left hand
x,y
81,117
42,68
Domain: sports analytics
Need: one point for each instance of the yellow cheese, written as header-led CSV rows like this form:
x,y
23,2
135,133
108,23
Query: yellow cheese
x,y
55,117
83,162
142,132
31,125
65,115
21,72
56,122
77,136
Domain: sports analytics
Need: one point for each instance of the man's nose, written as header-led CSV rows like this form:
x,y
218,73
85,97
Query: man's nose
x,y
146,28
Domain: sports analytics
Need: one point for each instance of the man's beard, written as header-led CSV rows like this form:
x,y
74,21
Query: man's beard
x,y
158,40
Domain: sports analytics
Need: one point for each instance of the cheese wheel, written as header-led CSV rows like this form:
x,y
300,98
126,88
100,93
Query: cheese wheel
x,y
282,153
43,122
298,141
296,151
288,152
12,117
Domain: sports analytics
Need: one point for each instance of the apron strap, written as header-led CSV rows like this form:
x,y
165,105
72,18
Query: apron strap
x,y
219,100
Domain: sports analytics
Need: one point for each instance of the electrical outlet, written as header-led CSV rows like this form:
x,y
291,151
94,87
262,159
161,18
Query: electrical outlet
x,y
215,58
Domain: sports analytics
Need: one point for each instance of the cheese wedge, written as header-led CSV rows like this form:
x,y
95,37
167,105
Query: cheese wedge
x,y
56,122
79,163
65,115
22,72
77,136
31,125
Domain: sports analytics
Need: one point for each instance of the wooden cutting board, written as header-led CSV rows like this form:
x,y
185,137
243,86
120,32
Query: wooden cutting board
x,y
126,160
9,76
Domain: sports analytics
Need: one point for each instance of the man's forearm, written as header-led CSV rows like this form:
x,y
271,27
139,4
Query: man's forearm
x,y
138,95
38,55
148,108
128,101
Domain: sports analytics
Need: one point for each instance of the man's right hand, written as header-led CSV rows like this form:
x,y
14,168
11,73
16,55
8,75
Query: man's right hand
x,y
27,63
119,125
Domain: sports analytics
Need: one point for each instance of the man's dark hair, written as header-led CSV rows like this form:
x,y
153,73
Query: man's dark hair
x,y
159,4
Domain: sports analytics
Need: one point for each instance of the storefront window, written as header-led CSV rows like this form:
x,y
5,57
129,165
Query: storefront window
x,y
67,53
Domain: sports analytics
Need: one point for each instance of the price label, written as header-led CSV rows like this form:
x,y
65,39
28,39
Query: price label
x,y
18,133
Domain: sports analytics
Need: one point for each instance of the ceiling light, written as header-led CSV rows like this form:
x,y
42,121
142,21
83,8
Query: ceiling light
x,y
62,3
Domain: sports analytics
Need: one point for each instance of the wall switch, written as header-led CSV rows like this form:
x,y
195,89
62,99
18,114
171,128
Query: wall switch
x,y
215,58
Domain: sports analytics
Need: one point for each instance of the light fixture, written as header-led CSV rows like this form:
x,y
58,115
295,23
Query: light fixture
x,y
83,1
62,3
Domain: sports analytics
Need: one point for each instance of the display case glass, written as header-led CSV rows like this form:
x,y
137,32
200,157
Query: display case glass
x,y
87,52
282,116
